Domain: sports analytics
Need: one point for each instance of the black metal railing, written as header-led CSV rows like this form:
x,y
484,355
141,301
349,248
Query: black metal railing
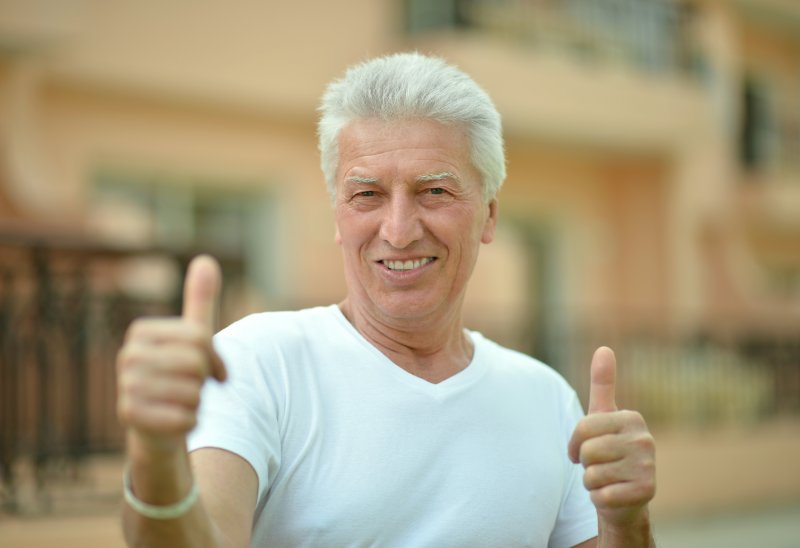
x,y
655,36
62,319
678,379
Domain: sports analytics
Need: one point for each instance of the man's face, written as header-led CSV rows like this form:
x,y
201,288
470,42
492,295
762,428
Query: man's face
x,y
409,216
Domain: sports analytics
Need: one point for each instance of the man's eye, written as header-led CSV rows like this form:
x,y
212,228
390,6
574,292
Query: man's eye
x,y
437,190
366,194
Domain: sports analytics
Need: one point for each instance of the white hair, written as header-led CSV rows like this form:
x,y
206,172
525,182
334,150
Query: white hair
x,y
412,85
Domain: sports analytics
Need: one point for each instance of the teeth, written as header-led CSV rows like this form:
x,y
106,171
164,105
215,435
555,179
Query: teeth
x,y
406,265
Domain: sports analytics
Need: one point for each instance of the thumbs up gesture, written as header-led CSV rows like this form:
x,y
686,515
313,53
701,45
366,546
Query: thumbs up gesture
x,y
164,362
618,455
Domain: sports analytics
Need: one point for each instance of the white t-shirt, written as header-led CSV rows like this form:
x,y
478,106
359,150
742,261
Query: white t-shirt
x,y
351,450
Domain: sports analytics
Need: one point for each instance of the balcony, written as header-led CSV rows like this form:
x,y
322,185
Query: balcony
x,y
656,37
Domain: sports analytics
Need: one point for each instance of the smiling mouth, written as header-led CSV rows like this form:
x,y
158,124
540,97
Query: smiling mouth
x,y
399,266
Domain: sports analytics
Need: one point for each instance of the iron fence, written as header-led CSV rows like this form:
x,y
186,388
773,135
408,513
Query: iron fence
x,y
61,323
679,379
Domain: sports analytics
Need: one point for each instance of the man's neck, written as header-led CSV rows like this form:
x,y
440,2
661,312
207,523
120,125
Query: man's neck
x,y
433,349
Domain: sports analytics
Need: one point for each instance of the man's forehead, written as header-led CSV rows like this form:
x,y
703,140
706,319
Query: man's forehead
x,y
427,146
370,136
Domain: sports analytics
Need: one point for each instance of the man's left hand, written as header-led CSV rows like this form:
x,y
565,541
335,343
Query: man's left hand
x,y
618,454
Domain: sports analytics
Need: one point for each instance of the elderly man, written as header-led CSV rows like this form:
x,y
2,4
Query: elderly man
x,y
380,421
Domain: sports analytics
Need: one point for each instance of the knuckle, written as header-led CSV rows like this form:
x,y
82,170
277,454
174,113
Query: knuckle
x,y
130,357
601,498
583,456
194,399
126,384
198,359
582,429
650,489
125,410
137,328
634,419
587,453
645,442
133,383
590,478
186,395
185,421
645,490
189,365
647,474
648,468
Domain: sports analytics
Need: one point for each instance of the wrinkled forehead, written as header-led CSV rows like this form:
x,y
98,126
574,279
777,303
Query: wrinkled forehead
x,y
431,146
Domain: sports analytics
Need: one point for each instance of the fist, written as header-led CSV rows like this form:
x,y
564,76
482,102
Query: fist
x,y
164,362
616,449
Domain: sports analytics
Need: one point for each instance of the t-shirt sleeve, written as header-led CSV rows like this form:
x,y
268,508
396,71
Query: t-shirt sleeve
x,y
240,415
577,517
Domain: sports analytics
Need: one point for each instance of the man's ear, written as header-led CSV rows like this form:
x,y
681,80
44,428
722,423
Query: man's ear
x,y
337,237
491,222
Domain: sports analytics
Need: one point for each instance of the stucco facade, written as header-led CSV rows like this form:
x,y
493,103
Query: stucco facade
x,y
626,207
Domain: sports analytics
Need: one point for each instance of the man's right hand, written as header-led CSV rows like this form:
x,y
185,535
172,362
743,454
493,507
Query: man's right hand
x,y
164,362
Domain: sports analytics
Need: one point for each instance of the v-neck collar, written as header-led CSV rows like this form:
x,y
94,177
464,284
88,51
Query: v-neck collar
x,y
467,376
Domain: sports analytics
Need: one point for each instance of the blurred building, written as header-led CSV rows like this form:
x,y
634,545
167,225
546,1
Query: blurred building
x,y
653,191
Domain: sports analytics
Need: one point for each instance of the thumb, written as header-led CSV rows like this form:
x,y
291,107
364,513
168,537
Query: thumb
x,y
201,291
200,296
604,381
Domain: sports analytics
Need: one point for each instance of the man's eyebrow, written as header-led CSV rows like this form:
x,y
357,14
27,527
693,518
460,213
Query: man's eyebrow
x,y
437,177
363,180
425,178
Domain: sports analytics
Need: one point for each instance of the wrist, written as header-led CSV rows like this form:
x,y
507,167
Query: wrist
x,y
149,449
634,531
158,511
157,473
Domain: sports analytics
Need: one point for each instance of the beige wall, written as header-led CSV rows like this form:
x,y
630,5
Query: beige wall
x,y
626,171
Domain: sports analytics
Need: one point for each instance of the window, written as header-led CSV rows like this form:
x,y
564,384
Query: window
x,y
425,15
644,31
758,133
184,215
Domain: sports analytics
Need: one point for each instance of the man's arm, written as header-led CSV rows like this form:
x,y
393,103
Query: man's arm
x,y
162,367
223,515
618,455
235,486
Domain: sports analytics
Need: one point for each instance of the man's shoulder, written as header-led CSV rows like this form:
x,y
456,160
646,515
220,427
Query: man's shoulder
x,y
508,361
284,325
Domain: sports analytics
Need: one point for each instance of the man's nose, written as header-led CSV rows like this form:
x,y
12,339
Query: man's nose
x,y
401,225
